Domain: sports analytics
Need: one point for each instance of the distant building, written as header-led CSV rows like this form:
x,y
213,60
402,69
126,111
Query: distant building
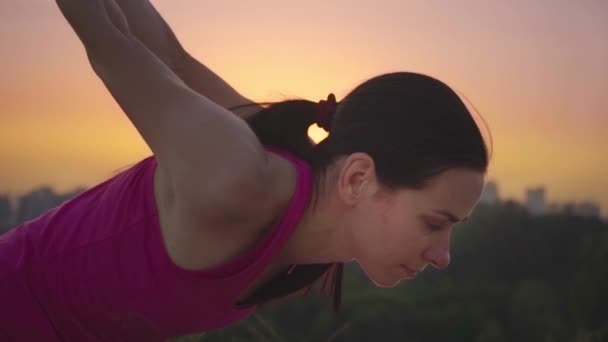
x,y
587,209
5,208
584,209
490,193
39,201
535,201
6,212
36,203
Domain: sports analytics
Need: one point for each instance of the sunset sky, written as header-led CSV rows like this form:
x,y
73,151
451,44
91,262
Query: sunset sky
x,y
536,71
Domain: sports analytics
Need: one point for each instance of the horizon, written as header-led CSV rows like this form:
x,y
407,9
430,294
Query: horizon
x,y
14,199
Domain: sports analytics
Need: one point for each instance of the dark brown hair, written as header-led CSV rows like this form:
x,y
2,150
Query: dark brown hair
x,y
413,126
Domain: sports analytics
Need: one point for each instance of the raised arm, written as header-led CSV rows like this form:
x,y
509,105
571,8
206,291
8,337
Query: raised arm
x,y
211,157
153,31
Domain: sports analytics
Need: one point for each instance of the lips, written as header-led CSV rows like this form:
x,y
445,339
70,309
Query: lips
x,y
410,272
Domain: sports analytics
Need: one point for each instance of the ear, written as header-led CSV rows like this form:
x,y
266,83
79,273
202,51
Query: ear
x,y
357,178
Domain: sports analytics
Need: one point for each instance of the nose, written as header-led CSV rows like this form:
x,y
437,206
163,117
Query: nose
x,y
439,259
438,255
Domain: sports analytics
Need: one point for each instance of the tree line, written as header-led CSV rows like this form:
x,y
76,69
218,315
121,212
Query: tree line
x,y
513,277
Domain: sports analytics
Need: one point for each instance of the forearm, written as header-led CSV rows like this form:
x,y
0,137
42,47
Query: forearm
x,y
147,25
89,21
152,30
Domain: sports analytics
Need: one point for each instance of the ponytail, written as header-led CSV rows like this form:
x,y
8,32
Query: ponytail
x,y
285,125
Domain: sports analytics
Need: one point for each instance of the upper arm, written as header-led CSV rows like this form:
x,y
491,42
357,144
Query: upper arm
x,y
203,147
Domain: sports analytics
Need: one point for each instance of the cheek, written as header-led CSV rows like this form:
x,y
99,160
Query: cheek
x,y
384,234
370,233
404,234
371,229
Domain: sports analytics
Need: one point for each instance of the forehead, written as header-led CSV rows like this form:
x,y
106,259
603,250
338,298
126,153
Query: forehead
x,y
455,190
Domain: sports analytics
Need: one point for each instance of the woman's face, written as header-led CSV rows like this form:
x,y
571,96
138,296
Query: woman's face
x,y
395,233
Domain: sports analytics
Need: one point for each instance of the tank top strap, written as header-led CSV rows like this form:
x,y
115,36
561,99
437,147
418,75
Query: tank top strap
x,y
299,201
262,254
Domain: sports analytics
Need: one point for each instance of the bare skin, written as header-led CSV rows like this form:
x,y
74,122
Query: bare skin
x,y
216,188
358,219
152,30
196,139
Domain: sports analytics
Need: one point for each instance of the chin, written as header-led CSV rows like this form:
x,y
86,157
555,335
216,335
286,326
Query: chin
x,y
382,280
385,282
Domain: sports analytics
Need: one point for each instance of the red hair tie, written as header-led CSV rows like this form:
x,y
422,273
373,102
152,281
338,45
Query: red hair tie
x,y
325,112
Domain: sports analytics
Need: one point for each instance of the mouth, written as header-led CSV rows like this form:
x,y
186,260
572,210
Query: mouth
x,y
410,273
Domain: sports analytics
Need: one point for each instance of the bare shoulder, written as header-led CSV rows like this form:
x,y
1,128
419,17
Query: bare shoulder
x,y
218,232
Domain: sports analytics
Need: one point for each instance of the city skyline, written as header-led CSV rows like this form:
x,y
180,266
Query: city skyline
x,y
535,72
535,200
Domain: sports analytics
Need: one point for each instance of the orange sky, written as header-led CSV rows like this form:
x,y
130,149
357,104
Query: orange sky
x,y
536,72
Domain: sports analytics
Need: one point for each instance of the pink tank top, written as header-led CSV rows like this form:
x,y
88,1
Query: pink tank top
x,y
95,268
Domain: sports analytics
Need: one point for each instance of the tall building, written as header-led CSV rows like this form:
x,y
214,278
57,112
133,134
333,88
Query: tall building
x,y
535,201
490,193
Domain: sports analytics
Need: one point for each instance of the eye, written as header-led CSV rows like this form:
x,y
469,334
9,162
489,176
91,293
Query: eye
x,y
434,227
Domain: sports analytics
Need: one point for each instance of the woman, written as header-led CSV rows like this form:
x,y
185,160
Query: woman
x,y
230,213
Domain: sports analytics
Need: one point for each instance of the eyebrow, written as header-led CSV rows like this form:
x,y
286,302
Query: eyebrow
x,y
450,216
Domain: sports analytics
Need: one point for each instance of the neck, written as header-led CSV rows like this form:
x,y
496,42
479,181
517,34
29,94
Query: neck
x,y
318,238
